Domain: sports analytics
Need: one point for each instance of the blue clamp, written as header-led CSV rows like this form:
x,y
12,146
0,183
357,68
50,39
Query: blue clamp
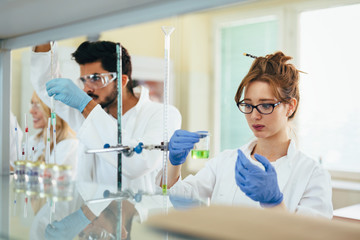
x,y
106,145
138,149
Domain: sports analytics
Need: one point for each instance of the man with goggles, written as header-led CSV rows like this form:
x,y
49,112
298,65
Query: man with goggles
x,y
89,105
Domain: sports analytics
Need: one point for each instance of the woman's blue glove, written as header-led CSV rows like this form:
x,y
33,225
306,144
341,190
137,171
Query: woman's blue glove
x,y
257,184
67,92
183,203
180,145
67,228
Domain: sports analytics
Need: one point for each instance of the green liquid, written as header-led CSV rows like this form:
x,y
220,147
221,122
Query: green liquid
x,y
164,189
199,154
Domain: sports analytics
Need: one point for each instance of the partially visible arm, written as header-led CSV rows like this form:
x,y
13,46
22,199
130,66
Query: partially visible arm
x,y
95,135
317,198
40,73
87,110
173,174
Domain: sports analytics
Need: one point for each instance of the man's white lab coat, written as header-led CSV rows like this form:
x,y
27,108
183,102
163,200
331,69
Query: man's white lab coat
x,y
142,123
305,184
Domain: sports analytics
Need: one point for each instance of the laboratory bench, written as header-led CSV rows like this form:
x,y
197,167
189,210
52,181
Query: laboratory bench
x,y
52,211
29,207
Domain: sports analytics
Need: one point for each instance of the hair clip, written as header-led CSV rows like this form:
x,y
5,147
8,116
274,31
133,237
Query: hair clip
x,y
249,55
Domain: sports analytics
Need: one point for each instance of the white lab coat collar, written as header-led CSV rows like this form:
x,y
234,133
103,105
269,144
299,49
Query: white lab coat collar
x,y
291,152
143,94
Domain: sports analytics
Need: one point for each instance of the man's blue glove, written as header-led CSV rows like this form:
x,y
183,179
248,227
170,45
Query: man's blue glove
x,y
257,184
65,91
180,145
68,227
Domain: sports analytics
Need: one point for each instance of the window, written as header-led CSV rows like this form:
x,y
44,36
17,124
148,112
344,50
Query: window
x,y
329,126
258,36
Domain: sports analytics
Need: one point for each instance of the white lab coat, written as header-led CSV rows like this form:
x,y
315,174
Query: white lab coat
x,y
66,151
305,184
142,123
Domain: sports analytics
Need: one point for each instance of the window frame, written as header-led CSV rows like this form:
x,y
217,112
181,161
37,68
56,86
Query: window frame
x,y
288,15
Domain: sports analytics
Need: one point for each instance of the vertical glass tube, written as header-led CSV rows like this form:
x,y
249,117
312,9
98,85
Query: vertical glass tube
x,y
167,31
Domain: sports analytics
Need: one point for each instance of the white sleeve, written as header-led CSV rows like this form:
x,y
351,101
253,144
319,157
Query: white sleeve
x,y
99,128
199,186
149,161
317,198
40,73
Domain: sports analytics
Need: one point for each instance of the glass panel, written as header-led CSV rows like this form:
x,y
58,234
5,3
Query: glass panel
x,y
257,38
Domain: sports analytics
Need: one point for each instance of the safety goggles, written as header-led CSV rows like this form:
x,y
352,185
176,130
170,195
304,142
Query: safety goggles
x,y
97,80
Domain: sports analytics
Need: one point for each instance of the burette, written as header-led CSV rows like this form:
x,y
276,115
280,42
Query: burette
x,y
167,31
53,114
119,118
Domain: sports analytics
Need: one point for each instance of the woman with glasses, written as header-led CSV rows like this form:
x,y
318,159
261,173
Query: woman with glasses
x,y
268,171
66,147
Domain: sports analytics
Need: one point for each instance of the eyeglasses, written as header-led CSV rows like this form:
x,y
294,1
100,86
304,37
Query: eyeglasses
x,y
97,80
34,105
263,108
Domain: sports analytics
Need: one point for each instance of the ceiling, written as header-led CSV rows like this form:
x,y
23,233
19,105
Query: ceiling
x,y
26,22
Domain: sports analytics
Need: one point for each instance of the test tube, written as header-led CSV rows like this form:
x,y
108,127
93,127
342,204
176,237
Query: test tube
x,y
47,151
26,139
17,140
167,31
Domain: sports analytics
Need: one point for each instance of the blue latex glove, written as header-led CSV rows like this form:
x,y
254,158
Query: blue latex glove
x,y
67,228
180,145
64,90
257,184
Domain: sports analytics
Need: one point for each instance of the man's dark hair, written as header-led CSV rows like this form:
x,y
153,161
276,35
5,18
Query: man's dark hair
x,y
105,52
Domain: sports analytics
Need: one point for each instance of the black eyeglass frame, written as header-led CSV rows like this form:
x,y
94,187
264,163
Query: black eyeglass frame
x,y
273,105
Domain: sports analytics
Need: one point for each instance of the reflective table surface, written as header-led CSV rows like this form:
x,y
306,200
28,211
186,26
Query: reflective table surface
x,y
81,210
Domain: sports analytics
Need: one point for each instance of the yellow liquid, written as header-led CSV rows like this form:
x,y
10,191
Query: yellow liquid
x,y
199,154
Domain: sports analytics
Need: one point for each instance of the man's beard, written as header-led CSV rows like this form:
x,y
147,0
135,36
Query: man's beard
x,y
109,99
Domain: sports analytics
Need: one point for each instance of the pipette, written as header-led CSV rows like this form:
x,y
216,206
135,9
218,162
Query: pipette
x,y
26,139
53,120
167,31
47,151
25,207
53,114
17,140
32,154
15,197
23,152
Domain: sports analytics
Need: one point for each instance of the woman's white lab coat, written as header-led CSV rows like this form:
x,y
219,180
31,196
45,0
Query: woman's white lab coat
x,y
142,123
305,184
66,151
13,147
